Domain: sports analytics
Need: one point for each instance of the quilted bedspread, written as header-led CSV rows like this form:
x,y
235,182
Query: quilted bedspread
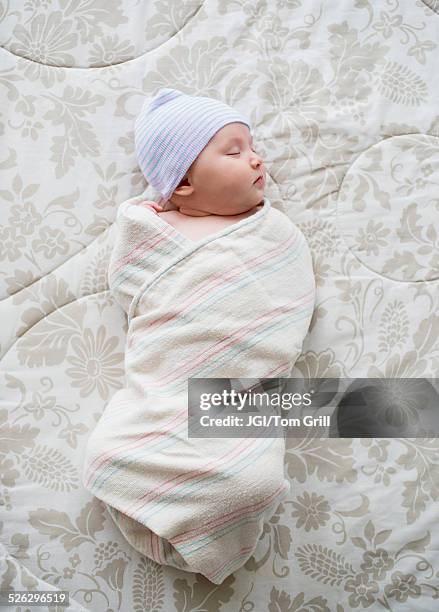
x,y
343,101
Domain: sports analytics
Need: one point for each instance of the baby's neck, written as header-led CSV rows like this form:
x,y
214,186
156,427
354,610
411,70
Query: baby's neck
x,y
189,212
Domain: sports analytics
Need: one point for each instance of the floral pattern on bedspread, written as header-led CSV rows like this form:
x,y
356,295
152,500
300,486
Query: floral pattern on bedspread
x,y
342,97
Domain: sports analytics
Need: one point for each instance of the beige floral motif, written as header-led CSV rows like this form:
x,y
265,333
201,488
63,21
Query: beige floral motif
x,y
105,551
403,586
275,537
46,53
412,231
25,218
353,61
68,572
281,601
148,586
295,100
320,365
399,366
50,469
71,432
39,405
75,560
362,590
378,449
111,177
79,137
317,120
377,562
387,24
20,280
94,363
110,50
391,24
321,270
321,236
8,473
47,41
371,239
312,511
400,84
350,291
88,22
422,456
15,439
59,525
15,575
204,58
20,543
199,593
306,456
11,244
402,243
31,128
114,575
419,49
380,470
39,408
268,31
51,242
95,279
50,341
324,564
394,326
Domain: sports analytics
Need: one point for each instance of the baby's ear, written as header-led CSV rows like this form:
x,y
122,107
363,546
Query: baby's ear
x,y
184,189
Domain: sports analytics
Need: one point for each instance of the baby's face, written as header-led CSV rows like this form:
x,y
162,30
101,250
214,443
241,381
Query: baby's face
x,y
223,175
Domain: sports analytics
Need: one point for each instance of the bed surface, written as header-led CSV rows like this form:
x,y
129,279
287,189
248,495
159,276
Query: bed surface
x,y
343,100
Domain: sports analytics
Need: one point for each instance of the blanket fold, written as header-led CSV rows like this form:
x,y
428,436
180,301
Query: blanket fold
x,y
236,304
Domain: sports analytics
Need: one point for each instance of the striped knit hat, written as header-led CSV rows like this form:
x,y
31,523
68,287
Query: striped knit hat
x,y
172,130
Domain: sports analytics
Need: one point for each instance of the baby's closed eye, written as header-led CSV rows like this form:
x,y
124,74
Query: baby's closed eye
x,y
239,152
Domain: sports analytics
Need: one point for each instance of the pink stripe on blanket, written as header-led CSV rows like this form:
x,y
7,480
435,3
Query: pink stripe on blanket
x,y
214,524
151,436
132,254
240,553
168,426
216,280
176,481
233,339
283,367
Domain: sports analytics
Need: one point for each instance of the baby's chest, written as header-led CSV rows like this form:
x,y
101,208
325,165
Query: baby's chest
x,y
195,228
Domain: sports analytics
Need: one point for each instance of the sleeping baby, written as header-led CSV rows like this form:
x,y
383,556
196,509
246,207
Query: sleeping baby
x,y
216,283
223,185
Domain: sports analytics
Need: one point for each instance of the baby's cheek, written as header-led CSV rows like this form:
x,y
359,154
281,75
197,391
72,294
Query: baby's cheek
x,y
235,178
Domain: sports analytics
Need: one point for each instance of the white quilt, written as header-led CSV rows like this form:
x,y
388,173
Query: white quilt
x,y
343,100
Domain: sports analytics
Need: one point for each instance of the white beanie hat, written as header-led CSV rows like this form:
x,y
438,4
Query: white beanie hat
x,y
171,131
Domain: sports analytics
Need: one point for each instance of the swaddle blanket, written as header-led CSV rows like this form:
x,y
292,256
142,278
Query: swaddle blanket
x,y
236,304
